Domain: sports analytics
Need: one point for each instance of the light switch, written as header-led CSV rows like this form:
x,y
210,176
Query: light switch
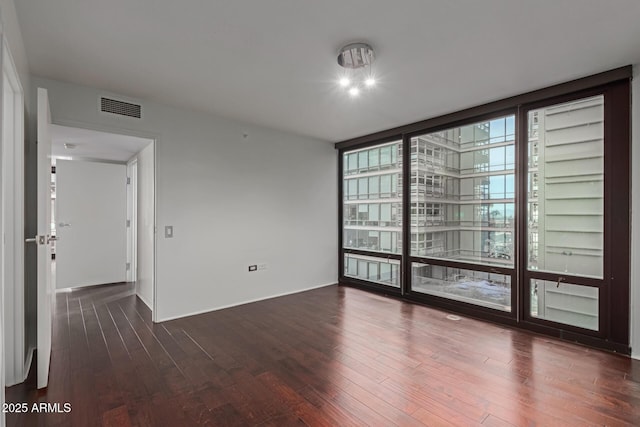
x,y
168,231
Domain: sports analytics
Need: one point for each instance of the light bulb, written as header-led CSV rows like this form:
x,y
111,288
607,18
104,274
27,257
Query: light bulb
x,y
354,91
344,82
370,82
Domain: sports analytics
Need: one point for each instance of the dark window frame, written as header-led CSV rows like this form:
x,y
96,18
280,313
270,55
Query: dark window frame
x,y
614,294
352,281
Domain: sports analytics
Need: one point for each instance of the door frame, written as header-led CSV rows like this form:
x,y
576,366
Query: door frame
x,y
132,220
15,364
153,138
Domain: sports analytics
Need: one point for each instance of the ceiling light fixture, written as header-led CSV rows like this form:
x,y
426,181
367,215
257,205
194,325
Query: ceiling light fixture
x,y
356,59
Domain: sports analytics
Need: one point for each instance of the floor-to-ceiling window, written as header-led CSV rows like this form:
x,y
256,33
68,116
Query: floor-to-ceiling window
x,y
372,207
565,210
462,211
516,211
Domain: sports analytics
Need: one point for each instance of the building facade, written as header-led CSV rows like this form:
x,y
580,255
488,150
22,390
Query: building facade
x,y
463,207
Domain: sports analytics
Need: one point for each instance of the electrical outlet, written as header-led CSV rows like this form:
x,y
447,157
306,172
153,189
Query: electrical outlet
x,y
253,267
262,266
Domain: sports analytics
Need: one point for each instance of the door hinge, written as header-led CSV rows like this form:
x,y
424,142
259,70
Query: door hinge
x,y
128,180
128,223
128,266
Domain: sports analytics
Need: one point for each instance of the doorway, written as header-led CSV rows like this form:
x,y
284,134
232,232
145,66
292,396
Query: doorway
x,y
104,209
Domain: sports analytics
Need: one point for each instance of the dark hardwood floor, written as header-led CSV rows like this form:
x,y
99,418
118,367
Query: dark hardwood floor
x,y
328,357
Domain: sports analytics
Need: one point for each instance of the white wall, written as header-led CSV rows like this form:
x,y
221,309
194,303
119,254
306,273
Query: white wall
x,y
10,28
233,201
635,215
146,224
91,197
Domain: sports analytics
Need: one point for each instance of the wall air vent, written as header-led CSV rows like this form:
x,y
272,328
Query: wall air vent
x,y
121,108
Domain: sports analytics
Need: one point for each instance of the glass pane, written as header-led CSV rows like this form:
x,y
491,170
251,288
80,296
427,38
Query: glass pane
x,y
497,159
372,199
385,186
351,266
374,187
363,188
486,289
463,192
565,303
385,241
566,188
363,160
374,214
373,269
385,212
353,189
351,163
497,128
385,156
374,158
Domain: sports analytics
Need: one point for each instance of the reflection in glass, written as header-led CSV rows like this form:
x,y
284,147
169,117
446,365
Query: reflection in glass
x,y
565,303
462,193
491,290
566,188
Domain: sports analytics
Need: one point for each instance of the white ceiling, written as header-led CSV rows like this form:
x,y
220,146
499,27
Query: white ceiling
x,y
94,145
274,62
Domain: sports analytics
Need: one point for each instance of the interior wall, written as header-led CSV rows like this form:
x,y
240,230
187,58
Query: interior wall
x,y
235,194
10,28
146,225
635,214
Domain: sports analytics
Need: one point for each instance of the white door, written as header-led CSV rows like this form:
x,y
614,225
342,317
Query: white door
x,y
91,201
46,293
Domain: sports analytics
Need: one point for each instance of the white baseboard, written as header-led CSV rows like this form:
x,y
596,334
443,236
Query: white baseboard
x,y
208,310
144,301
70,289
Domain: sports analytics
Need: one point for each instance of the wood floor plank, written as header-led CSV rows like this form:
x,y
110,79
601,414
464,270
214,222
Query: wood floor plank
x,y
331,356
328,407
117,417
